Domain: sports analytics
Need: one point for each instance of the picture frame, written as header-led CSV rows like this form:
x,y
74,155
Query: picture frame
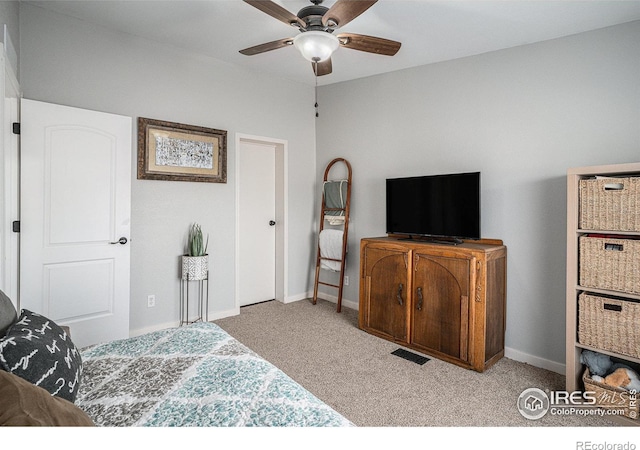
x,y
179,152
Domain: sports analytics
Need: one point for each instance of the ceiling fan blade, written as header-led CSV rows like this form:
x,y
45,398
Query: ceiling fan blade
x,y
344,11
268,46
277,11
369,44
323,67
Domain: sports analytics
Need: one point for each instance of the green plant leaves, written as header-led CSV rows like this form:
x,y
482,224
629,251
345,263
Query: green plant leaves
x,y
197,246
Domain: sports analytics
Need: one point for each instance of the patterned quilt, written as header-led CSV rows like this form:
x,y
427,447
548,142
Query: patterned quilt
x,y
196,375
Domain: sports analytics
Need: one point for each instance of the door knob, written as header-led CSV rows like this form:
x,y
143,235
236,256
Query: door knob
x,y
122,241
272,223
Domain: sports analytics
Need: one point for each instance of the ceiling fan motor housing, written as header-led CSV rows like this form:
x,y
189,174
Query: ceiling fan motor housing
x,y
312,16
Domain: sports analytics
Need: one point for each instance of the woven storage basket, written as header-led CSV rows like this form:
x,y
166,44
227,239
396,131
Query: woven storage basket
x,y
609,324
610,204
610,263
608,397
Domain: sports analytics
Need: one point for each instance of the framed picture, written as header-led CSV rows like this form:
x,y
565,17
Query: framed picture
x,y
179,152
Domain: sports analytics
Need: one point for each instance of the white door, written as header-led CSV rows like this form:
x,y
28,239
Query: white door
x,y
75,219
256,217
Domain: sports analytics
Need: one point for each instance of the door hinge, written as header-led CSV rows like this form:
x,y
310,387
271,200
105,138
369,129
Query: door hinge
x,y
16,127
16,226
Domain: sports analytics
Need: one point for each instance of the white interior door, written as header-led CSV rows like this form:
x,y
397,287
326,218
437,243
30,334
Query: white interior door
x,y
257,227
75,208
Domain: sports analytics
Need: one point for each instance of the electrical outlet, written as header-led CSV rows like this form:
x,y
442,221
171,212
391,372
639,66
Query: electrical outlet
x,y
151,301
346,280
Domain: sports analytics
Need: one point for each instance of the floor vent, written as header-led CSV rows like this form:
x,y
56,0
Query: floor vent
x,y
409,356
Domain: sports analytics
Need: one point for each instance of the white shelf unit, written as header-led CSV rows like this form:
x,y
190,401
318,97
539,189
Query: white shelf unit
x,y
574,369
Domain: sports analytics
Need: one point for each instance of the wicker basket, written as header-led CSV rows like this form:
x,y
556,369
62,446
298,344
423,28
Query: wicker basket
x,y
610,263
608,397
610,204
609,324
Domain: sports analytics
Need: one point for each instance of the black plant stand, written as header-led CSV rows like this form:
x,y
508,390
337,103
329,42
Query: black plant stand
x,y
202,297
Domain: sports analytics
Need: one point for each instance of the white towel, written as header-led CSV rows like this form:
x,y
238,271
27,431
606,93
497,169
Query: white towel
x,y
334,220
330,242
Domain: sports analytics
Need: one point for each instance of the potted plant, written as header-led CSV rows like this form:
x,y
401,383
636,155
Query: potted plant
x,y
195,263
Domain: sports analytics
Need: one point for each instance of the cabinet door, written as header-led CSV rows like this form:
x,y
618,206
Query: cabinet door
x,y
440,308
386,291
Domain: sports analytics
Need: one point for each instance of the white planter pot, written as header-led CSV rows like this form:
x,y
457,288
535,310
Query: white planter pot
x,y
195,267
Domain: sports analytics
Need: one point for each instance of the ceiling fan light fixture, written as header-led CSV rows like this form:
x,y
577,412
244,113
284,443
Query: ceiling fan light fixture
x,y
316,46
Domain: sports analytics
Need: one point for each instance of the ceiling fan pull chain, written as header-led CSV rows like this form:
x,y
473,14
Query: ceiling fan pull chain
x,y
315,71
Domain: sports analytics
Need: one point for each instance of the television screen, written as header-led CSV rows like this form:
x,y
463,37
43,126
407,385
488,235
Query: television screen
x,y
437,205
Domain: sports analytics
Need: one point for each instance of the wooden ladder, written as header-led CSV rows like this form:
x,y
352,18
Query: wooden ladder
x,y
342,211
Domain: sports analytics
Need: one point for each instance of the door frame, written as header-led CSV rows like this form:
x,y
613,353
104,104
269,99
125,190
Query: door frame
x,y
282,196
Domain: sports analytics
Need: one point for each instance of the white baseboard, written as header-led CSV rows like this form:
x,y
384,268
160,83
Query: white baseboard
x,y
212,316
334,299
536,361
141,331
223,314
296,298
510,353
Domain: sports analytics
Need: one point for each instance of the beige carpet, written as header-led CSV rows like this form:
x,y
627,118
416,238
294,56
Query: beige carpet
x,y
357,375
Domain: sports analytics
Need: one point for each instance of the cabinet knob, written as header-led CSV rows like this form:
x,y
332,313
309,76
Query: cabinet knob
x,y
399,296
420,299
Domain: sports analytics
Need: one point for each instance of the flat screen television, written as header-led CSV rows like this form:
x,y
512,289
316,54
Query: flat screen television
x,y
439,206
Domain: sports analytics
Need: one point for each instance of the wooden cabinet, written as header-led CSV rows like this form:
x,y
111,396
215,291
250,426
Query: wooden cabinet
x,y
615,211
387,269
440,318
447,301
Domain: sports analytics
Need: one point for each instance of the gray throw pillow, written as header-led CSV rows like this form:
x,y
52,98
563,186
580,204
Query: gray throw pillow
x,y
38,350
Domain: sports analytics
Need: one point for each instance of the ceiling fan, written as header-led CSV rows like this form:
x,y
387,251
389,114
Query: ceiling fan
x,y
316,24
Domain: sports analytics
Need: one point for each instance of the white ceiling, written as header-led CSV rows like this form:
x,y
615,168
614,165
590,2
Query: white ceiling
x,y
430,31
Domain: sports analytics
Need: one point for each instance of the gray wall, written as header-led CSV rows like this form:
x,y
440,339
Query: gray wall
x,y
69,62
522,117
10,16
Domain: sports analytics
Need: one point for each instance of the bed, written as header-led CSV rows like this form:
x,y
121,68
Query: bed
x,y
197,375
190,376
